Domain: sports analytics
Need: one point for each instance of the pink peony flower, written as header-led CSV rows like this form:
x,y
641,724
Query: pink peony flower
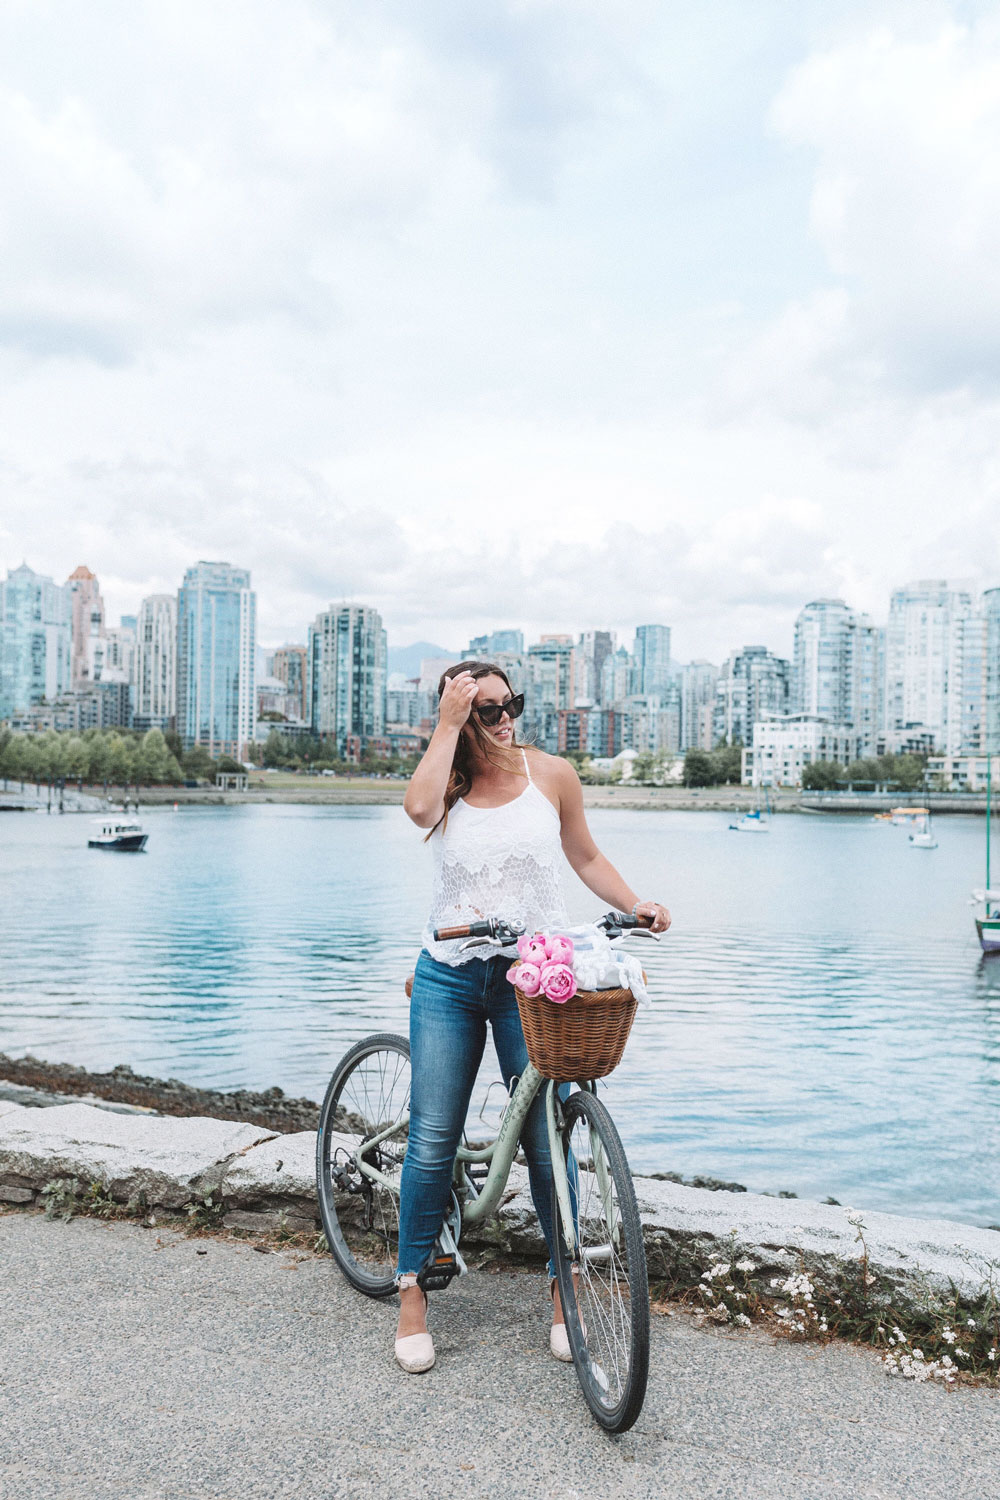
x,y
559,949
531,949
527,977
558,982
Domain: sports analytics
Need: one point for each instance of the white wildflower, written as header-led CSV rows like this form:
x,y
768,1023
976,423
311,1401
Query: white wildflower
x,y
743,1320
745,1267
853,1217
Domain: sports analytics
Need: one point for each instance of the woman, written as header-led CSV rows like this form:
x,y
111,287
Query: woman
x,y
501,818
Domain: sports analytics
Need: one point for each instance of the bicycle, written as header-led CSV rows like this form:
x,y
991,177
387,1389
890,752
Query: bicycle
x,y
600,1257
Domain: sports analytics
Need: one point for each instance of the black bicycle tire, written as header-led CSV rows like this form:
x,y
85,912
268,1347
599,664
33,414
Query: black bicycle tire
x,y
372,1286
626,1410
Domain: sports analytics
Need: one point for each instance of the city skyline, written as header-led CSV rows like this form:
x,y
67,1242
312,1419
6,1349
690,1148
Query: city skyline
x,y
505,314
639,619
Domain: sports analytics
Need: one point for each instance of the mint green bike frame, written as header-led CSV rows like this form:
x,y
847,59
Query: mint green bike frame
x,y
500,1154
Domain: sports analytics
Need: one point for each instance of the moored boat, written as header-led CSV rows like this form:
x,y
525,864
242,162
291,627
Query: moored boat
x,y
903,816
751,822
923,835
988,920
122,834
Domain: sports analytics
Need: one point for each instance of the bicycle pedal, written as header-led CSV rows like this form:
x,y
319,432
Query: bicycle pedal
x,y
439,1271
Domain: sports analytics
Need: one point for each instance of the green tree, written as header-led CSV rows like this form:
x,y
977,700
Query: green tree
x,y
77,758
728,761
32,758
100,759
153,759
823,776
699,768
643,767
198,764
122,760
227,764
276,749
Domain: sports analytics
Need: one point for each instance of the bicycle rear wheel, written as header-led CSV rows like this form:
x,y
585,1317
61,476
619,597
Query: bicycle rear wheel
x,y
604,1286
368,1095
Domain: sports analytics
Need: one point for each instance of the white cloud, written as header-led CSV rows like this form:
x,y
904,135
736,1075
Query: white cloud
x,y
533,313
906,201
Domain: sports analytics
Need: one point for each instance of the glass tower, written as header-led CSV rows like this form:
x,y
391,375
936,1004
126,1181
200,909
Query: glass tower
x,y
216,648
346,662
35,640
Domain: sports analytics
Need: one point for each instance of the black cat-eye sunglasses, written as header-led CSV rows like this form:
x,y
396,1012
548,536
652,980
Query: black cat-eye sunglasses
x,y
490,714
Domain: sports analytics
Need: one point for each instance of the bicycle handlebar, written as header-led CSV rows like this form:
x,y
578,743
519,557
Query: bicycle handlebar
x,y
509,932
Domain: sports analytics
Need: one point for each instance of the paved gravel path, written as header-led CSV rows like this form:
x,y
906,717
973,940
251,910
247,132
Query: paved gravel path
x,y
133,1366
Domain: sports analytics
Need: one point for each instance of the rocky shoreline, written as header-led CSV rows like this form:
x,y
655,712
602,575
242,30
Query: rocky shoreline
x,y
36,1082
56,1082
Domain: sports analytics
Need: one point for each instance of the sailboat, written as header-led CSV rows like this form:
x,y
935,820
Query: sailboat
x,y
988,918
757,819
922,836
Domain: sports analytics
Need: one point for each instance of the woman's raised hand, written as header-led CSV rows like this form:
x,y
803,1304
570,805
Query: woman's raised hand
x,y
457,700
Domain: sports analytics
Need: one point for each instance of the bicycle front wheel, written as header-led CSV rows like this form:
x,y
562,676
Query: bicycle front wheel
x,y
368,1097
603,1285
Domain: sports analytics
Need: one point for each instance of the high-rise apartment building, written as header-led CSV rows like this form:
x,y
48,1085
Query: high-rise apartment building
x,y
346,656
698,680
288,664
754,684
549,686
216,648
592,651
155,692
652,659
836,668
115,658
617,678
35,640
919,658
86,626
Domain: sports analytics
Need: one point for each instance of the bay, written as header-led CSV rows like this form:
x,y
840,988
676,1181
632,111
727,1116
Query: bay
x,y
823,1021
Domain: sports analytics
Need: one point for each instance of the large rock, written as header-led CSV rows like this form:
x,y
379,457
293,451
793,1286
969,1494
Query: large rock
x,y
170,1160
274,1183
686,1226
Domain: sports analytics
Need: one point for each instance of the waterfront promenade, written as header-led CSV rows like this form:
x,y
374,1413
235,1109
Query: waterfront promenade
x,y
143,1363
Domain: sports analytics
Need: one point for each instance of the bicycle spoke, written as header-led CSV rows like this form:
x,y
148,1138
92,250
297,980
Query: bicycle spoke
x,y
368,1096
610,1333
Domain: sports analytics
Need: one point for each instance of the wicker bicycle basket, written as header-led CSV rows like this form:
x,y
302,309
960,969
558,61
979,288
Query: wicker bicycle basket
x,y
584,1038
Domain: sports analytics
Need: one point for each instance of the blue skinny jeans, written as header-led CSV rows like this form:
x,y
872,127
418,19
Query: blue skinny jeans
x,y
449,1009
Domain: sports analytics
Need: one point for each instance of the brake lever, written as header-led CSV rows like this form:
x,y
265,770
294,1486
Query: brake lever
x,y
480,942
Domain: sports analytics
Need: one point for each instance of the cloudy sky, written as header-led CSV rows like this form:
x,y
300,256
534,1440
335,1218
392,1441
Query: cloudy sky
x,y
559,313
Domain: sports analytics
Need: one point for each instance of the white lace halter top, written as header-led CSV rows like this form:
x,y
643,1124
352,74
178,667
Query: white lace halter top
x,y
497,862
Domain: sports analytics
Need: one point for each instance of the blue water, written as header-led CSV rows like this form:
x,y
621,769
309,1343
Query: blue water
x,y
823,1020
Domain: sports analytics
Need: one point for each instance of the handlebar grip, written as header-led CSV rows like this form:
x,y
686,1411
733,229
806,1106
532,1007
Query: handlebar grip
x,y
625,920
471,929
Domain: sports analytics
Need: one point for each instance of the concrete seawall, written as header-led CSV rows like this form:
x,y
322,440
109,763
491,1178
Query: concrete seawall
x,y
260,1179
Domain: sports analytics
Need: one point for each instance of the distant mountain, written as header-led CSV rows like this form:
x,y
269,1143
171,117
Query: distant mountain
x,y
407,659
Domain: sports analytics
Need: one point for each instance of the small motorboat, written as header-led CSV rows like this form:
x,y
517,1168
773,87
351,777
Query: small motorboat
x,y
903,816
119,833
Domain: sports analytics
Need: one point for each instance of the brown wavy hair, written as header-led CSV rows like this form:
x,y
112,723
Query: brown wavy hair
x,y
460,779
